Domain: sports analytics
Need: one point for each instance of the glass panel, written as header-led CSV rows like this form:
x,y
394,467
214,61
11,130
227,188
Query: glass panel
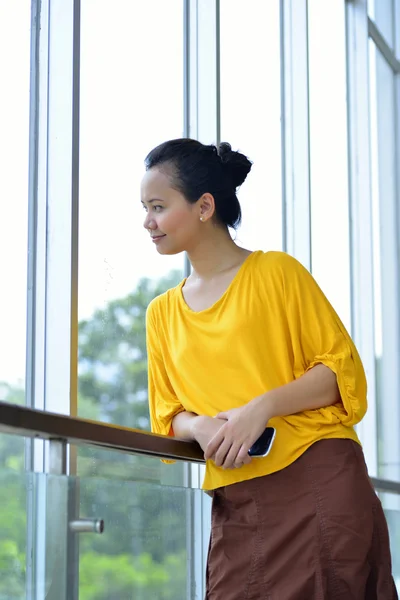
x,y
391,505
382,12
386,268
251,113
393,520
14,150
397,27
12,528
95,462
145,549
143,553
131,99
330,238
128,105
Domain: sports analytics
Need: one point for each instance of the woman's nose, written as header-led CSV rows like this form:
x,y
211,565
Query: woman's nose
x,y
148,222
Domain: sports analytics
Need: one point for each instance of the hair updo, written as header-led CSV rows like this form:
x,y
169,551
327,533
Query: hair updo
x,y
196,169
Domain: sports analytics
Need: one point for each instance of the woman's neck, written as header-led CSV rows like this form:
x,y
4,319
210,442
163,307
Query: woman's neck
x,y
215,255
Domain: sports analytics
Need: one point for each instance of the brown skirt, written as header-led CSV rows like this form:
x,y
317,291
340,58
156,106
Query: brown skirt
x,y
313,531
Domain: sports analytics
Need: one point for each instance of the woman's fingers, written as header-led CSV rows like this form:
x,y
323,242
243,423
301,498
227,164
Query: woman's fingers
x,y
222,452
232,457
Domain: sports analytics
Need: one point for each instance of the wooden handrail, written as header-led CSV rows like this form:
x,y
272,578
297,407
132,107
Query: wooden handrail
x,y
28,422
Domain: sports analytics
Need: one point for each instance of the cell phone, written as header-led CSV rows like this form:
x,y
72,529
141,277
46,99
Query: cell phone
x,y
262,446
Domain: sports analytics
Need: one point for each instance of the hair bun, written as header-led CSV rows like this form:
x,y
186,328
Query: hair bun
x,y
236,164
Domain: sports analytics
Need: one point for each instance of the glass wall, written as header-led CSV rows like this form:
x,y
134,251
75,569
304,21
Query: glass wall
x,y
128,104
14,152
330,235
15,18
251,114
324,139
383,14
373,65
131,99
383,118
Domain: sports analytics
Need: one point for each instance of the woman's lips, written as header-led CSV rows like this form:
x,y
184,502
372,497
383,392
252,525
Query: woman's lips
x,y
157,238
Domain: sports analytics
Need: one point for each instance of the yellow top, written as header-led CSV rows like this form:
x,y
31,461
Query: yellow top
x,y
271,325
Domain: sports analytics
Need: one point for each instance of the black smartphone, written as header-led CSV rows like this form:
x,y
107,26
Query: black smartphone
x,y
263,445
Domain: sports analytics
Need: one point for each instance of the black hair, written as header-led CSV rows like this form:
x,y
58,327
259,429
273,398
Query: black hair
x,y
197,169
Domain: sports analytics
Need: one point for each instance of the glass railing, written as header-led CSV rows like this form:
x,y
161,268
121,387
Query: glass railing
x,y
123,526
390,497
127,539
13,533
393,521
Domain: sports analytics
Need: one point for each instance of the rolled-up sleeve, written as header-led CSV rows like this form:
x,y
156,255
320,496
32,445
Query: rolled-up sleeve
x,y
163,403
319,337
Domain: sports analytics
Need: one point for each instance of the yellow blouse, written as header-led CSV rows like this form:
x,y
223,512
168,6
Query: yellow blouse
x,y
271,325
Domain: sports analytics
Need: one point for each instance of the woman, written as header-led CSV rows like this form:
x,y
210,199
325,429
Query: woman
x,y
249,340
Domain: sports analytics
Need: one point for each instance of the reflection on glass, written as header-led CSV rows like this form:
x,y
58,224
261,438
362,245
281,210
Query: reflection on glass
x,y
251,113
382,13
131,100
382,127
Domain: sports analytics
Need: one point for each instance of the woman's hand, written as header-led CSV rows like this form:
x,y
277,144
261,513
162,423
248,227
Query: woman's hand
x,y
242,427
204,428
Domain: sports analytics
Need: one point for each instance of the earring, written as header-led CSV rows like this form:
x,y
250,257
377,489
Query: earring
x,y
201,219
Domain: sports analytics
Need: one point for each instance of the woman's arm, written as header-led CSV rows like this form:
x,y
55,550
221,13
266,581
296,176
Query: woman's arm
x,y
315,389
202,429
182,424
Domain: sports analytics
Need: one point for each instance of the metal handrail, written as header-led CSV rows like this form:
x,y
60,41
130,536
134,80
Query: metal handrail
x,y
28,422
385,485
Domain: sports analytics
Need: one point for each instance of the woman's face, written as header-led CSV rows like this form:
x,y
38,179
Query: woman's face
x,y
172,222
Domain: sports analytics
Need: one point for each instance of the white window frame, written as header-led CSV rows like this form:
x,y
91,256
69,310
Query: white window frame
x,y
202,122
361,214
51,381
295,131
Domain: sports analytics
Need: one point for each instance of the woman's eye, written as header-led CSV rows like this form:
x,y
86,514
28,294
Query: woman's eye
x,y
158,208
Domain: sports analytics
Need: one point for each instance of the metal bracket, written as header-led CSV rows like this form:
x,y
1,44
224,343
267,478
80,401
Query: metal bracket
x,y
87,526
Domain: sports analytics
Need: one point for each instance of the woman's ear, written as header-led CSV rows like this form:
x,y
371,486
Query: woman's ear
x,y
206,207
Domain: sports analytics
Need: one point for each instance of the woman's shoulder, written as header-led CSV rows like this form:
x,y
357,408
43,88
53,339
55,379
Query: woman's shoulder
x,y
277,261
160,304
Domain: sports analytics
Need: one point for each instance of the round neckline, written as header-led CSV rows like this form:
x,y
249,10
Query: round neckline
x,y
222,297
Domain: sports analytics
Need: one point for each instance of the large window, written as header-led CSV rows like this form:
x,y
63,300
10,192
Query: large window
x,y
383,13
14,157
131,99
14,153
386,264
251,113
330,239
109,81
373,65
